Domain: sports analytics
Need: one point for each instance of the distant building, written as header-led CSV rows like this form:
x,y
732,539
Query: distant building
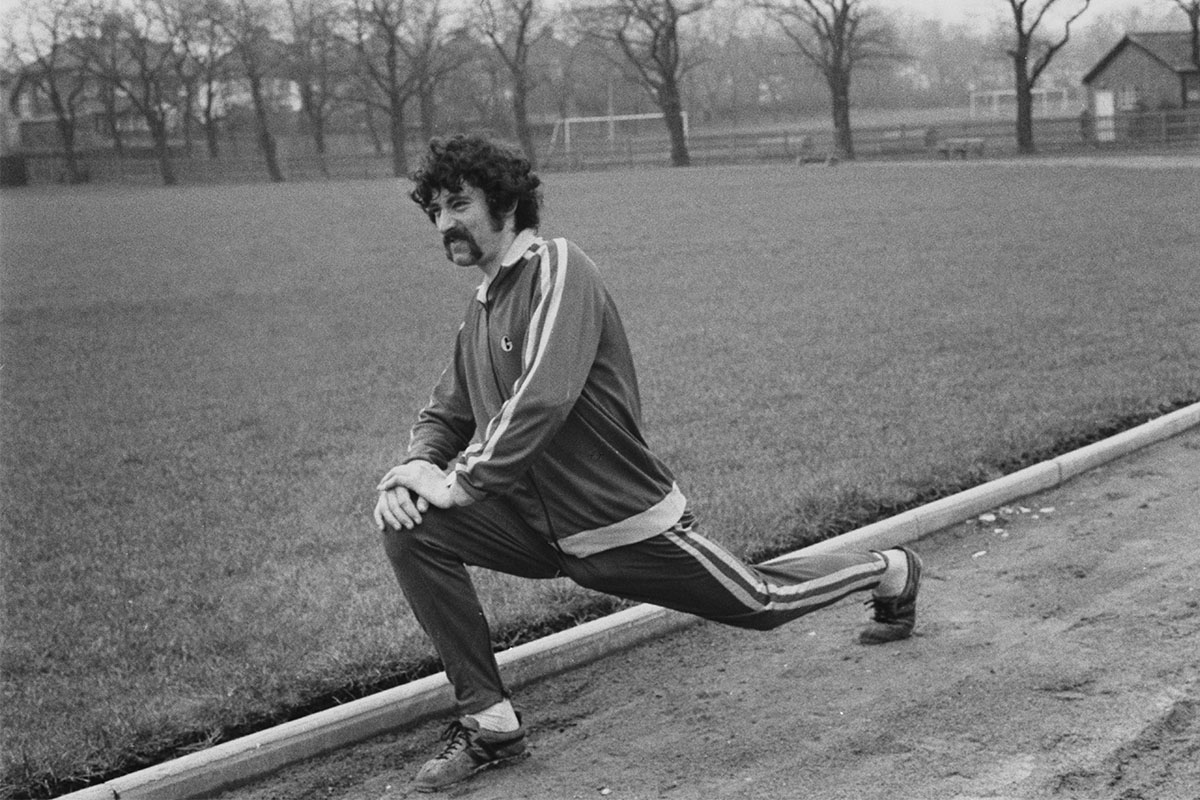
x,y
10,127
102,113
1145,72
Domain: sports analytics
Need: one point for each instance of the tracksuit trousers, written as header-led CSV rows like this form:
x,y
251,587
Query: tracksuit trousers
x,y
678,569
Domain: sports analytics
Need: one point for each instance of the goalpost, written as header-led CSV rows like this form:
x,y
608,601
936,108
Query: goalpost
x,y
997,101
605,127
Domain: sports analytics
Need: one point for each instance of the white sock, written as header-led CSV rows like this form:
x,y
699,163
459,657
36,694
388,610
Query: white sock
x,y
895,576
500,718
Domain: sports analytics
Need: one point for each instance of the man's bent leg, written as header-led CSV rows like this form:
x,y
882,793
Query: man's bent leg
x,y
430,564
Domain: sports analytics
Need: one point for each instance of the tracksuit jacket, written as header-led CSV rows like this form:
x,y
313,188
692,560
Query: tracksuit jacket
x,y
540,406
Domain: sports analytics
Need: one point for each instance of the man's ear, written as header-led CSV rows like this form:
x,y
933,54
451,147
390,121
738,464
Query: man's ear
x,y
508,218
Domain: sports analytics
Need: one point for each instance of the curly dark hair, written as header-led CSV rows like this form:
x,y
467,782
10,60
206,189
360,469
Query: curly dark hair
x,y
504,175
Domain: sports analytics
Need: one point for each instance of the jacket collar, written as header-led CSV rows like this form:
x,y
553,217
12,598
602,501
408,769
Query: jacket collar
x,y
526,242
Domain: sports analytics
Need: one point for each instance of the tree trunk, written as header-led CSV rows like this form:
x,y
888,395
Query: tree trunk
x,y
1193,14
1024,87
211,134
318,134
110,122
162,150
521,119
266,145
212,138
189,119
428,109
672,108
372,130
66,132
312,119
843,136
266,142
398,137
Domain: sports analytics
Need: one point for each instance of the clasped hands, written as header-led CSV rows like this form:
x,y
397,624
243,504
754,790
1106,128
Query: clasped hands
x,y
407,491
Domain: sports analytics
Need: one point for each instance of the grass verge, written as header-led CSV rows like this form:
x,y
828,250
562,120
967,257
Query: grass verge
x,y
201,386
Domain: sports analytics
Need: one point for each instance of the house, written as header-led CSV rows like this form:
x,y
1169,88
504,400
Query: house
x,y
1145,72
91,77
97,111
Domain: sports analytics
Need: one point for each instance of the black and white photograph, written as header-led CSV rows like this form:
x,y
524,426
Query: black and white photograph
x,y
614,399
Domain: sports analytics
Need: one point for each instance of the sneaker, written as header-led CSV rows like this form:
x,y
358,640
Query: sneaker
x,y
896,615
469,750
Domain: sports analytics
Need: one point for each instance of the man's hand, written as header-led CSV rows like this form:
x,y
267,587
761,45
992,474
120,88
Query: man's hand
x,y
408,490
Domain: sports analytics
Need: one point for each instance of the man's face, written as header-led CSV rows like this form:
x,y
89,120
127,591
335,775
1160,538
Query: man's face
x,y
469,234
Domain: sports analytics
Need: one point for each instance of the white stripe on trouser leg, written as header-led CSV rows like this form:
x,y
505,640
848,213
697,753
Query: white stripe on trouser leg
x,y
812,593
735,589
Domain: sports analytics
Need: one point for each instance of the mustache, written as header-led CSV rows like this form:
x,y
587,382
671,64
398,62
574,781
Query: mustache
x,y
456,235
461,235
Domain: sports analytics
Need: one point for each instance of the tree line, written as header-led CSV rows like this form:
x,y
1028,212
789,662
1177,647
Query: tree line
x,y
186,68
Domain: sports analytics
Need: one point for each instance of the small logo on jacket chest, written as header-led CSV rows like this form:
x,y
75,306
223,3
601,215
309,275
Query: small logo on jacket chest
x,y
506,344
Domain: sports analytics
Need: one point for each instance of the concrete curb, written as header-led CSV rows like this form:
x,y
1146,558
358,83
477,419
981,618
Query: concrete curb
x,y
244,759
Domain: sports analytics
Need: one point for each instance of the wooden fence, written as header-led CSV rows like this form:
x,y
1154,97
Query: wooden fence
x,y
960,139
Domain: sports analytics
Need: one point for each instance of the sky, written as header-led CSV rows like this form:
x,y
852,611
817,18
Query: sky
x,y
969,12
982,12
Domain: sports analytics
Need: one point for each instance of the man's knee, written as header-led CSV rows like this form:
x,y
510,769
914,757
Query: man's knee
x,y
406,546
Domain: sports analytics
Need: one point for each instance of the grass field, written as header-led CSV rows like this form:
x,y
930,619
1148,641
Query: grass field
x,y
201,387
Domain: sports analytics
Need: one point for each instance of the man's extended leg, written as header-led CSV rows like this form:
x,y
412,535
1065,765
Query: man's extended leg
x,y
682,570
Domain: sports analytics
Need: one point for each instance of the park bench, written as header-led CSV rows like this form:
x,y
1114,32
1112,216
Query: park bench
x,y
961,146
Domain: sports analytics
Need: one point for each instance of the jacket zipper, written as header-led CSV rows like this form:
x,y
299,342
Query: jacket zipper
x,y
487,325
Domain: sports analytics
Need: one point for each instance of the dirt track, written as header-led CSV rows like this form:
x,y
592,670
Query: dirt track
x,y
1057,657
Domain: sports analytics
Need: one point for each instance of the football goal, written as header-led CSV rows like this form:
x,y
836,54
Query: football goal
x,y
997,102
574,133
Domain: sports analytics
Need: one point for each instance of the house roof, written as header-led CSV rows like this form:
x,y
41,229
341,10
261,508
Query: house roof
x,y
1172,49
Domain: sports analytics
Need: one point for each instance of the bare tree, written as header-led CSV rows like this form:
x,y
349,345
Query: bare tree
x,y
364,95
250,32
835,36
406,49
130,51
1031,53
514,27
108,94
212,52
433,50
175,18
565,64
1192,9
714,82
315,55
379,31
198,32
646,32
47,41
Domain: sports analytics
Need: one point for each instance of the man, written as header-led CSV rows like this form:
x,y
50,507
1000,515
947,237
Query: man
x,y
529,459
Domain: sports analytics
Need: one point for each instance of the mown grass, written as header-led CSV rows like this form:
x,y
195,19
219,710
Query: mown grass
x,y
201,386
